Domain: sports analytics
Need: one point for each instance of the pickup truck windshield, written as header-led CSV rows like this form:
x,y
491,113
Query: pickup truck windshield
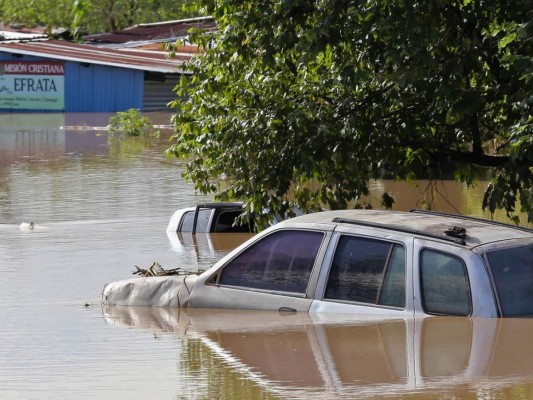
x,y
512,270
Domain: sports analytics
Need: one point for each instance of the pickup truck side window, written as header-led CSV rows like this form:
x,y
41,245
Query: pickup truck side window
x,y
225,221
367,271
512,270
444,284
281,261
201,224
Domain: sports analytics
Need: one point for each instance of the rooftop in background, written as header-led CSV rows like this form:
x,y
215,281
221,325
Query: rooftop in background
x,y
137,47
160,31
15,32
109,72
146,60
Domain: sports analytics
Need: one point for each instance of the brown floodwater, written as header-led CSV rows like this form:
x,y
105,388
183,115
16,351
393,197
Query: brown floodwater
x,y
263,354
101,205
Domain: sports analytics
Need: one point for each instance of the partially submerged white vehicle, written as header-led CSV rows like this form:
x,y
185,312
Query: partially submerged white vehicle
x,y
208,218
214,218
360,261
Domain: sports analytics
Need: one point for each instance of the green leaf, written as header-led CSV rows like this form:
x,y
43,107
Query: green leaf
x,y
505,41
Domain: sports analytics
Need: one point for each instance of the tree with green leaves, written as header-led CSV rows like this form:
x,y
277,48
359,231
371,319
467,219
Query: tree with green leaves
x,y
113,15
46,13
92,16
303,102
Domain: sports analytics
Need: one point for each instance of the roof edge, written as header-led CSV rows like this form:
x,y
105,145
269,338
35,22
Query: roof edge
x,y
176,21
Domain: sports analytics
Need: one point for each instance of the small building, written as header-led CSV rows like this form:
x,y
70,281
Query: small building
x,y
53,75
152,33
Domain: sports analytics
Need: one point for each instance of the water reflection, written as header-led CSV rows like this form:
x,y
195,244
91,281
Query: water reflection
x,y
56,137
204,249
51,172
299,355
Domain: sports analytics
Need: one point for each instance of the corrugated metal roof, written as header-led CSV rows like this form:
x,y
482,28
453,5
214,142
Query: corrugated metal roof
x,y
14,32
155,61
156,31
13,35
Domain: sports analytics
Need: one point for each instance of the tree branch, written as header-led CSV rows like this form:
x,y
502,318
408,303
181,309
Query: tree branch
x,y
479,159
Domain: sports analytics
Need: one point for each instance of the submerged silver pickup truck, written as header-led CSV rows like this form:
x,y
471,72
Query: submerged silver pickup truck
x,y
362,262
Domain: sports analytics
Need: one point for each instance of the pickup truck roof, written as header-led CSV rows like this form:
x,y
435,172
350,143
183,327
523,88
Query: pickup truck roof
x,y
468,231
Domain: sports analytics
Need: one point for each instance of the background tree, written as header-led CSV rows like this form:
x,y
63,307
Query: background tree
x,y
113,15
338,92
47,13
92,16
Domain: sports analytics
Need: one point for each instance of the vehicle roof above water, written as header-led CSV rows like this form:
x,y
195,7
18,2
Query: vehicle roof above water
x,y
419,222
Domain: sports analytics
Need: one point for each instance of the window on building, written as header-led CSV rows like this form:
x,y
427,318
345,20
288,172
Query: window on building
x,y
282,261
367,271
444,284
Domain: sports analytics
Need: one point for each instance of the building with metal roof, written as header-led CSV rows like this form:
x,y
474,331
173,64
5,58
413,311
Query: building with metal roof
x,y
153,32
54,75
9,33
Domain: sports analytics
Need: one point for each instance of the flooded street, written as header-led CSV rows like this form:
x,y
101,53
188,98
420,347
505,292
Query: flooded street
x,y
101,205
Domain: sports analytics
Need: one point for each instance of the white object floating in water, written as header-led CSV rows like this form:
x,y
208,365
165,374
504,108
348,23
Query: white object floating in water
x,y
25,226
30,226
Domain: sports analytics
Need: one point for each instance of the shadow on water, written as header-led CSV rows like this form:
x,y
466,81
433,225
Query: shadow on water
x,y
322,355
